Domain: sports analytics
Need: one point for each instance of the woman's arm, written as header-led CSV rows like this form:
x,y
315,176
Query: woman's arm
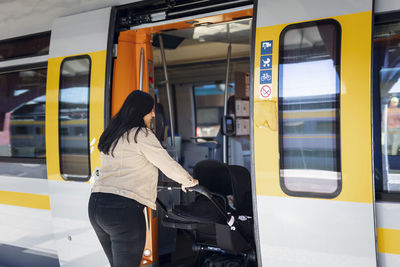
x,y
159,157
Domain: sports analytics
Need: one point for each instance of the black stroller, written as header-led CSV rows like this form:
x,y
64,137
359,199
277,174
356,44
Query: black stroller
x,y
220,217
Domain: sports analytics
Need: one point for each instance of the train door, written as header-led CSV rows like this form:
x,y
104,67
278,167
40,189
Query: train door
x,y
75,115
386,93
312,133
190,90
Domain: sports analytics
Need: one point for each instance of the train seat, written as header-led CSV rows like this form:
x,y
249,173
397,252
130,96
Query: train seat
x,y
241,190
243,212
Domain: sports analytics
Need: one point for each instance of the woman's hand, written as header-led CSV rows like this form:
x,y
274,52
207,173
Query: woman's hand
x,y
194,182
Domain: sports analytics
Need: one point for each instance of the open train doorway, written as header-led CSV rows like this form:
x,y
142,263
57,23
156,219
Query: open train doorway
x,y
198,71
197,65
203,90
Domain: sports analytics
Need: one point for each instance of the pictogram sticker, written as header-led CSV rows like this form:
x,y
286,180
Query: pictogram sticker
x,y
266,62
265,76
266,47
265,91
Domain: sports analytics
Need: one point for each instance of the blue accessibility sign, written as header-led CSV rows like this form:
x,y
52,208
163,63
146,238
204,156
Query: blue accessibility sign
x,y
265,76
266,62
266,47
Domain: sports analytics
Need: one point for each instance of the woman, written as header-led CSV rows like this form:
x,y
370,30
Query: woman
x,y
127,182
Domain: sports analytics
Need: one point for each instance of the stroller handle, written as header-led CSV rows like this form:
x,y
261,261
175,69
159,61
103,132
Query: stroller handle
x,y
230,220
204,191
199,189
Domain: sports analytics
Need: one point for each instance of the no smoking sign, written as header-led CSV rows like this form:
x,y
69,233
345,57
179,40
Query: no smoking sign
x,y
265,91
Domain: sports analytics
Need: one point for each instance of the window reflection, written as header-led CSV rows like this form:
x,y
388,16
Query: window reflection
x,y
387,79
392,119
209,108
73,118
309,94
22,113
28,46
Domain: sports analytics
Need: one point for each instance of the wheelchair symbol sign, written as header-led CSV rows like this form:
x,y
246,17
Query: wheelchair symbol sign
x,y
265,91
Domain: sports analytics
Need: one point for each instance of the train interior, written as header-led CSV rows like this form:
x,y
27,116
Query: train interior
x,y
197,75
196,68
193,68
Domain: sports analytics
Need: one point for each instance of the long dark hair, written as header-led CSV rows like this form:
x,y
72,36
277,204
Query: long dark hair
x,y
131,114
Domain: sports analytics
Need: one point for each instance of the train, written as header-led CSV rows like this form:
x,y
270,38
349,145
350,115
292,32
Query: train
x,y
299,96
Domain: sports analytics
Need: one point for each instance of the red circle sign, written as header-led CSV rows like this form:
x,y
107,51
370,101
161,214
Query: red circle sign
x,y
265,91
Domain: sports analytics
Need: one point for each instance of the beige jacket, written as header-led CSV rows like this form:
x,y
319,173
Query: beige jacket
x,y
132,172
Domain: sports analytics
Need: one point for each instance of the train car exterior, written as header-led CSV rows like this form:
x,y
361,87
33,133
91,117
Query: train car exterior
x,y
324,134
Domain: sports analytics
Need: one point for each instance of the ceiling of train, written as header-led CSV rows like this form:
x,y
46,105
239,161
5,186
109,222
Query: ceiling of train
x,y
206,42
21,17
229,32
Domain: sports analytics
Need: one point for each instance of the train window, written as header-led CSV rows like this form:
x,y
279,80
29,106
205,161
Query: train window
x,y
309,101
74,118
387,109
22,110
209,108
27,46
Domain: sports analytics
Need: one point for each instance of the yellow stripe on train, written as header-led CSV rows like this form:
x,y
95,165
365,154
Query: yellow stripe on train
x,y
388,240
31,122
309,114
28,200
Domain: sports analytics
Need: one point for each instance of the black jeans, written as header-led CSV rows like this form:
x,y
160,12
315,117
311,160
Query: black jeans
x,y
120,226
